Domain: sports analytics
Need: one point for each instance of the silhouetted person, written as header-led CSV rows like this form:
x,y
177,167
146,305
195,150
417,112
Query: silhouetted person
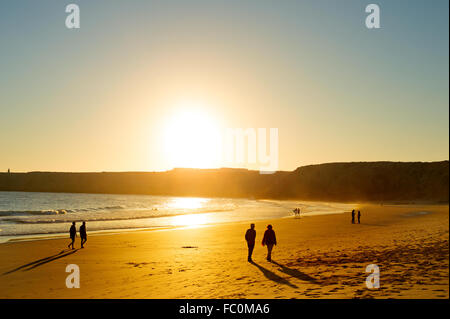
x,y
353,216
73,234
250,236
269,240
83,234
359,217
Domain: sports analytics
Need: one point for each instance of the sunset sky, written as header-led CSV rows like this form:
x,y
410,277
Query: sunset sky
x,y
140,80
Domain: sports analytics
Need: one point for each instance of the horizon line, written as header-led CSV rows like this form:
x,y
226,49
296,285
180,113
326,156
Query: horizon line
x,y
218,168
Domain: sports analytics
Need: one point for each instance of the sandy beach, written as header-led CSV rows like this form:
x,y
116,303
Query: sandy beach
x,y
316,257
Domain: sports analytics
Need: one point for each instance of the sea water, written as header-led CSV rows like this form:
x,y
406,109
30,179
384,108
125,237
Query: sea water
x,y
25,214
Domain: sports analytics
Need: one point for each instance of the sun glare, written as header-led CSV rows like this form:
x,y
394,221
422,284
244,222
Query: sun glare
x,y
192,139
191,220
187,203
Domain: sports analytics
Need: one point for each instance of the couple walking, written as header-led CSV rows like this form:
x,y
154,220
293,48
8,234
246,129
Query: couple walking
x,y
353,216
73,234
269,240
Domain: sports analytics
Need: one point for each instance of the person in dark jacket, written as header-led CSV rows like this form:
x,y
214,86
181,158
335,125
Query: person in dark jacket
x,y
250,236
269,240
73,234
359,217
353,216
83,234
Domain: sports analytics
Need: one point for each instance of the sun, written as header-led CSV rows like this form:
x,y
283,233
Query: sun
x,y
192,138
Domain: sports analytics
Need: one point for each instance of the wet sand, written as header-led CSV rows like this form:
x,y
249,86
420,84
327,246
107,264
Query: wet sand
x,y
316,257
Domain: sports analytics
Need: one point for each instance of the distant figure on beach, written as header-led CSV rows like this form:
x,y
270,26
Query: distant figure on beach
x,y
269,240
83,234
250,236
73,234
359,217
353,216
296,212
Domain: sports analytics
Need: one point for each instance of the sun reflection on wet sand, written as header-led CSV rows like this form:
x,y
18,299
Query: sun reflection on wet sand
x,y
190,220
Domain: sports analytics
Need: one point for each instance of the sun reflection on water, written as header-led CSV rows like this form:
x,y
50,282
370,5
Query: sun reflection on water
x,y
189,204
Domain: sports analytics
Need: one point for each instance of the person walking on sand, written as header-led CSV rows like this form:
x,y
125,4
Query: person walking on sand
x,y
73,234
353,216
359,217
250,236
269,240
83,234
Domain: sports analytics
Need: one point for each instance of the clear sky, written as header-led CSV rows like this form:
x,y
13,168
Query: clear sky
x,y
102,97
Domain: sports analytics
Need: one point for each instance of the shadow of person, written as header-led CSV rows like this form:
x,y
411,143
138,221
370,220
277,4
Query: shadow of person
x,y
273,276
42,261
295,273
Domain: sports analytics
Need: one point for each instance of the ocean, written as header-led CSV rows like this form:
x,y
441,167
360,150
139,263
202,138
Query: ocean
x,y
25,215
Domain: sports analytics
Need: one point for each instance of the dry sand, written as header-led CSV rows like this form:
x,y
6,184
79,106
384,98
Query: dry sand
x,y
316,257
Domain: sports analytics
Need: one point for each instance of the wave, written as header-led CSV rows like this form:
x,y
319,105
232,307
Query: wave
x,y
56,211
90,209
148,214
33,212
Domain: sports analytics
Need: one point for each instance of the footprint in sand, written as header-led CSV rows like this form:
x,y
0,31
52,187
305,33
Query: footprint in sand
x,y
139,265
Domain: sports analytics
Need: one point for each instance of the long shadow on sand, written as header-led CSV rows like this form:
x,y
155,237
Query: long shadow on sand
x,y
42,261
273,276
295,273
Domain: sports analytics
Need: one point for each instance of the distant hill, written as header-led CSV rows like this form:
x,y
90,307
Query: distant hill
x,y
357,181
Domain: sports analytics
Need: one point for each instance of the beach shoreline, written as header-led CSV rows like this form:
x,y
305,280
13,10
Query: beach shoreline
x,y
36,219
321,256
167,225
